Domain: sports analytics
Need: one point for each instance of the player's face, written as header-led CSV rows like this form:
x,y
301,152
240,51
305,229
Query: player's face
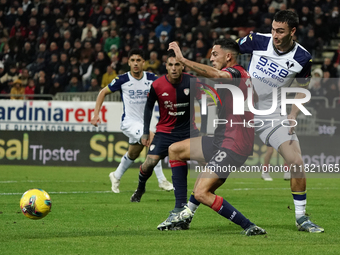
x,y
136,63
218,57
174,68
282,35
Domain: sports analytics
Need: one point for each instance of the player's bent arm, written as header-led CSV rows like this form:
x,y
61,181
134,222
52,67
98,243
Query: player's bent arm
x,y
205,70
100,99
201,69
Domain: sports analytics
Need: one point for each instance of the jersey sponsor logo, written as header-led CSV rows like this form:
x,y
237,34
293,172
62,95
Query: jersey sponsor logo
x,y
271,70
186,91
130,85
138,94
181,104
176,113
243,40
165,94
113,82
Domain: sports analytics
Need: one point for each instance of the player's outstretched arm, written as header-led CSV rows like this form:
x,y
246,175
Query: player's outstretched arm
x,y
100,99
200,69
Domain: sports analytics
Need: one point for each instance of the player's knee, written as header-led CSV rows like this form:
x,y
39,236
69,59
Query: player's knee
x,y
174,150
295,161
133,155
149,164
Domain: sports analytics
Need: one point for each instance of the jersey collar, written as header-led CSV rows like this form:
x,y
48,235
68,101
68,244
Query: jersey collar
x,y
166,77
136,78
283,53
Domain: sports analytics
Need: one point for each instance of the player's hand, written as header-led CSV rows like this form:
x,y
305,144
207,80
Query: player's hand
x,y
145,139
95,120
291,124
174,46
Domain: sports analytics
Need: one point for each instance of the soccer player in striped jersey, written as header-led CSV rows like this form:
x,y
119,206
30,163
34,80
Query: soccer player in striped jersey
x,y
230,146
173,94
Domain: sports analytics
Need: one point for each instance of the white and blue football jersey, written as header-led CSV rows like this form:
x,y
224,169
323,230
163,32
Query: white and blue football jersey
x,y
270,68
134,94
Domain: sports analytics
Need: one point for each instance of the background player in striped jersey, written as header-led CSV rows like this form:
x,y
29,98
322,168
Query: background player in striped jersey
x,y
134,87
277,60
230,146
173,94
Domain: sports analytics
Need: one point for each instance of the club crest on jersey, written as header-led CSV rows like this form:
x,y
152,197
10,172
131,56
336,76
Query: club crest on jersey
x,y
152,147
186,91
289,65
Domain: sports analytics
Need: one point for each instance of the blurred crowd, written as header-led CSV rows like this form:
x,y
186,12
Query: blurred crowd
x,y
56,46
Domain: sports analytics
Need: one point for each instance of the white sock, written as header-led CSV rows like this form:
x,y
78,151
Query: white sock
x,y
125,163
192,206
300,208
159,172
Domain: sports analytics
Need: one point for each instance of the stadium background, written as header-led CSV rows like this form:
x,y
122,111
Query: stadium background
x,y
57,51
86,217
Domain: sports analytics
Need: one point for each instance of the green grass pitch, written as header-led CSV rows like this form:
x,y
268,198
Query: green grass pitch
x,y
87,218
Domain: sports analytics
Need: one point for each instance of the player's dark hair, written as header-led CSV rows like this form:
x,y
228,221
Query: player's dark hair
x,y
289,17
136,52
171,54
228,44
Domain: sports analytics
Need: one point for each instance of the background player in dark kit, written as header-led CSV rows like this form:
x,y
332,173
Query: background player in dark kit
x,y
172,92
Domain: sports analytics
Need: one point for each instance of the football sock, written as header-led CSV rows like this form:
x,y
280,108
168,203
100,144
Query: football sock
x,y
193,203
124,164
300,201
159,172
143,177
225,209
179,180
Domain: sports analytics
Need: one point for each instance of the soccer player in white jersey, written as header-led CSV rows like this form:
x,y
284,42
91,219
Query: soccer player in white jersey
x,y
134,87
276,61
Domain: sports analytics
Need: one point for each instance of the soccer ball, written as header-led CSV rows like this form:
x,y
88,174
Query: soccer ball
x,y
35,204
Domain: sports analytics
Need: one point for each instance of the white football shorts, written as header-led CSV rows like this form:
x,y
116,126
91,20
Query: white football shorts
x,y
133,130
275,136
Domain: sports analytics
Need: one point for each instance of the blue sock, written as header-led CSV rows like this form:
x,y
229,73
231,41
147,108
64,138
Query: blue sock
x,y
193,200
225,209
143,177
179,180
